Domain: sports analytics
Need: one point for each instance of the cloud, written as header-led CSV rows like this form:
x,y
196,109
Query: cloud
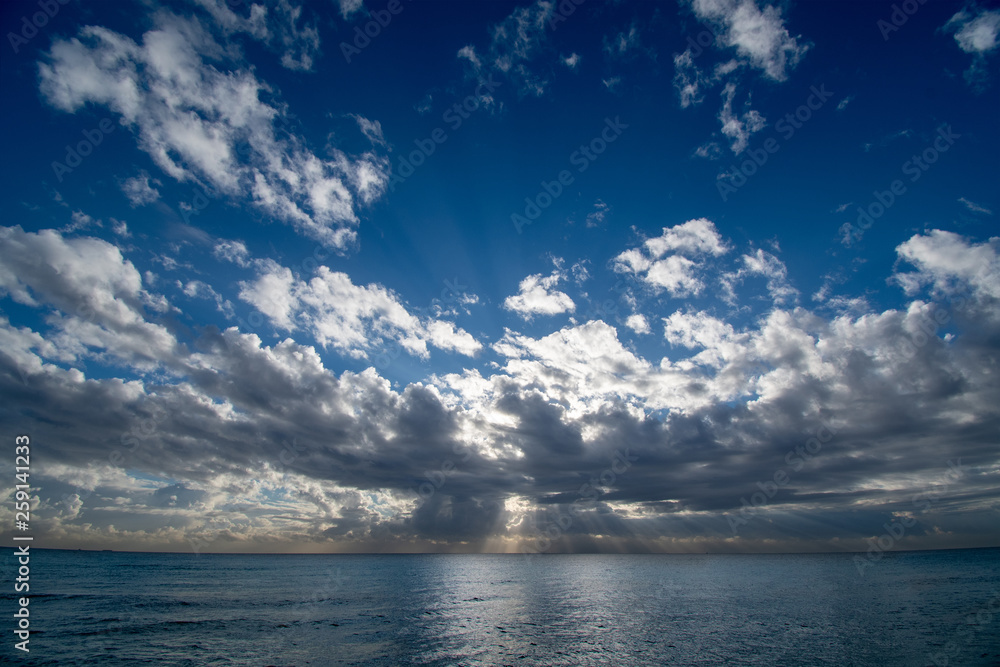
x,y
976,33
949,263
138,190
80,221
572,60
638,323
759,36
353,319
709,151
688,80
202,124
738,128
766,265
597,217
234,251
672,261
99,300
974,207
349,7
515,43
538,296
275,24
264,447
623,44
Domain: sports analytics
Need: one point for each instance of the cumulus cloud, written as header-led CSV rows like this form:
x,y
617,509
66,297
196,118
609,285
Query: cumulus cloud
x,y
758,36
354,319
538,295
764,264
638,323
248,446
673,260
209,125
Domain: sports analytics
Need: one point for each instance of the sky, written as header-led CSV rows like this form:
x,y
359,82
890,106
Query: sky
x,y
575,276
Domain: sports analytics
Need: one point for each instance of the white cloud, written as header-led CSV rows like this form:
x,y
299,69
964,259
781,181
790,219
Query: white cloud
x,y
276,24
200,123
678,272
80,221
120,227
948,263
738,128
220,418
538,296
974,207
139,191
621,44
597,217
353,319
694,236
99,295
198,289
762,263
638,323
688,79
232,251
515,43
572,60
759,36
709,151
349,7
975,32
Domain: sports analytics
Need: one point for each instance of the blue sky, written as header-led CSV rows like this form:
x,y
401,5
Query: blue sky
x,y
270,284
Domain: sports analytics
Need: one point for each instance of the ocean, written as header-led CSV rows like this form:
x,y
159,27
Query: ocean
x,y
908,608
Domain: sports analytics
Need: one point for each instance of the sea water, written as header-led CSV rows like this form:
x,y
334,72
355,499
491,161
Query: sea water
x,y
111,608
